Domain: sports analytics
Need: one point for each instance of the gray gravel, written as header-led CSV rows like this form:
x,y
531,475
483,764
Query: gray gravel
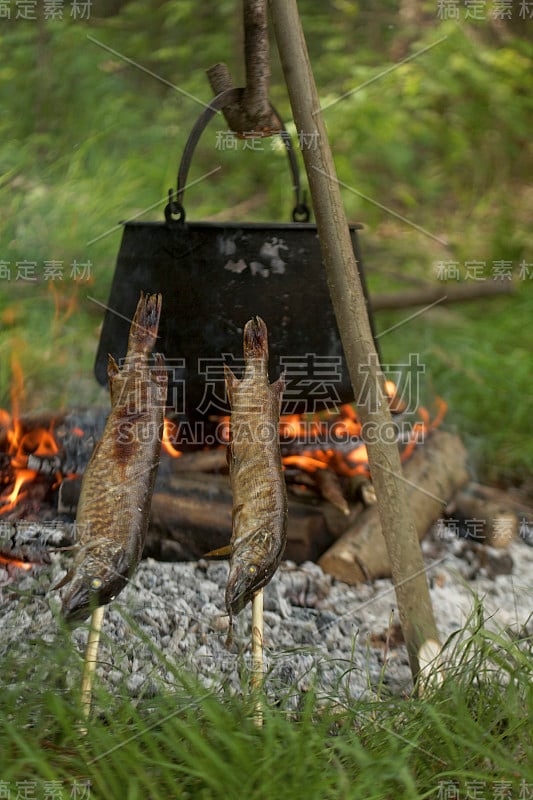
x,y
318,631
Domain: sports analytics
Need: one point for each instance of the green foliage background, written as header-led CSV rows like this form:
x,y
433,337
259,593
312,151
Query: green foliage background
x,y
443,139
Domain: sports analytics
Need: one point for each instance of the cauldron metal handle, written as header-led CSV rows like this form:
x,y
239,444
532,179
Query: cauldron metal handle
x,y
175,210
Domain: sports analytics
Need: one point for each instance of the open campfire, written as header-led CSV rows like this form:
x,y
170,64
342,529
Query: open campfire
x,y
332,518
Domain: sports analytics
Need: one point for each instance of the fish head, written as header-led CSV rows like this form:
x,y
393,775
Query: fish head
x,y
249,574
95,581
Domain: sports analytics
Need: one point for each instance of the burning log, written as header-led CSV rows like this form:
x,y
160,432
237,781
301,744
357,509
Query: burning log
x,y
330,489
191,515
432,475
213,460
28,544
194,516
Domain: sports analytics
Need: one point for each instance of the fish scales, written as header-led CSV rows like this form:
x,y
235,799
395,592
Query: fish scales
x,y
258,485
117,487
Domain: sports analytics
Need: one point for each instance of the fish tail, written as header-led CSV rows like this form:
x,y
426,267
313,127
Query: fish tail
x,y
255,339
145,323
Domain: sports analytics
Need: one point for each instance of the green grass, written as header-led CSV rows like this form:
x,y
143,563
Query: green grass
x,y
191,743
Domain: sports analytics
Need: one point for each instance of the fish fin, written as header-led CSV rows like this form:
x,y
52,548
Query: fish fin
x,y
220,552
234,514
112,367
65,579
121,563
159,366
231,383
112,372
279,385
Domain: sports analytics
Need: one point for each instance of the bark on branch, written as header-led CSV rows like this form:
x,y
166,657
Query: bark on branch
x,y
252,114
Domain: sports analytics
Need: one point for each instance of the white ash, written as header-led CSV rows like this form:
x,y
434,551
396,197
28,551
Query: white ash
x,y
318,631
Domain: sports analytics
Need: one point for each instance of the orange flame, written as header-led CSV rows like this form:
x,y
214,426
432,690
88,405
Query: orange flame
x,y
344,425
19,445
15,495
290,426
169,429
396,404
347,423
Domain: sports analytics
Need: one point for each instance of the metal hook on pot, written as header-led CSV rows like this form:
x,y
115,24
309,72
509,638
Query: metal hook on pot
x,y
175,211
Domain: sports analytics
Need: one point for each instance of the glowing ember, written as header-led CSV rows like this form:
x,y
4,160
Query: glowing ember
x,y
310,443
345,427
14,562
307,463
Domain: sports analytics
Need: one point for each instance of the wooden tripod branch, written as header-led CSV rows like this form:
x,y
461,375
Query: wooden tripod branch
x,y
412,593
252,113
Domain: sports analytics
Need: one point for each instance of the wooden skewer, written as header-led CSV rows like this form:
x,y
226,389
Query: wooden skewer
x,y
432,672
257,654
91,659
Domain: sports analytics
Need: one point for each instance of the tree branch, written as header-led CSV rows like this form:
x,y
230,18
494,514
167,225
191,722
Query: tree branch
x,y
414,604
252,114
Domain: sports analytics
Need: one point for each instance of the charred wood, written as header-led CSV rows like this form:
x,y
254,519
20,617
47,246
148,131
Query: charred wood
x,y
193,515
330,488
32,542
432,475
47,465
214,460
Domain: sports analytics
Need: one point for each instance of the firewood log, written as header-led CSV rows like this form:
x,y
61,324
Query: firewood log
x,y
433,474
193,516
200,461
